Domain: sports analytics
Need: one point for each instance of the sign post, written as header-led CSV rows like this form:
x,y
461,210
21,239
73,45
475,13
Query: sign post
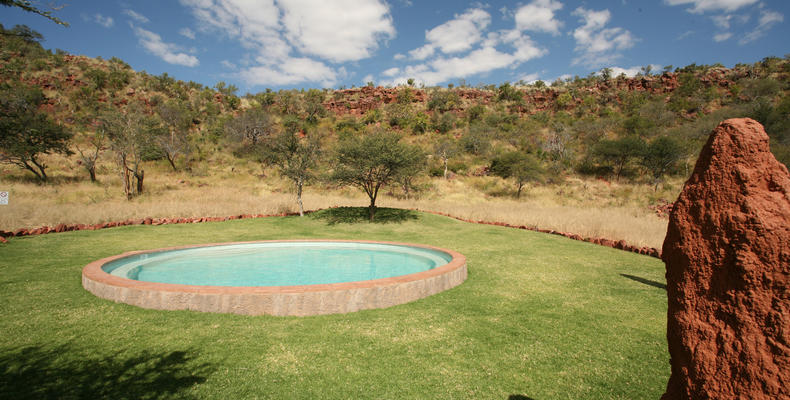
x,y
3,198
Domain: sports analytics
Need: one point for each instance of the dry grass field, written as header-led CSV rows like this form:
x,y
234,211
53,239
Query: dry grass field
x,y
588,207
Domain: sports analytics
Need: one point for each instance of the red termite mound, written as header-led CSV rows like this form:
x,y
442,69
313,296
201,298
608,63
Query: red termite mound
x,y
727,254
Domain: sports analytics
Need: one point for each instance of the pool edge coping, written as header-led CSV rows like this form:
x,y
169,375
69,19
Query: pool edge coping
x,y
114,287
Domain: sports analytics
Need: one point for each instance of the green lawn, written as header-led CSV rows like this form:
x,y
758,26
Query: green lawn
x,y
540,317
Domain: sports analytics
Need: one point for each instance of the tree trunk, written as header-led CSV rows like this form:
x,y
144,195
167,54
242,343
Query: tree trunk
x,y
41,167
33,170
139,177
171,160
372,207
299,197
445,169
127,178
518,193
92,172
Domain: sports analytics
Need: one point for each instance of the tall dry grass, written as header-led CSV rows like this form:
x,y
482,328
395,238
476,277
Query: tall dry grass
x,y
585,207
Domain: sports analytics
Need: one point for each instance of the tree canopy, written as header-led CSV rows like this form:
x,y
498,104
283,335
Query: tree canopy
x,y
372,161
26,132
522,167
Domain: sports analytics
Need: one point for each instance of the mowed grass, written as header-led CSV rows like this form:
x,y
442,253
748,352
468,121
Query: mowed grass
x,y
540,317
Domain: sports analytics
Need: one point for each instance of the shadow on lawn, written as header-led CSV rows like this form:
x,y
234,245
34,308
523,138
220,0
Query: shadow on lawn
x,y
519,397
57,373
645,281
353,215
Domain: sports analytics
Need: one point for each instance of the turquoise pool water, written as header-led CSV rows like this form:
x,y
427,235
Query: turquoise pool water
x,y
278,263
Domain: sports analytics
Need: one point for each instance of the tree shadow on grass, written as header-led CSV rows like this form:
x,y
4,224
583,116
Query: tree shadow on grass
x,y
519,397
645,281
60,373
353,215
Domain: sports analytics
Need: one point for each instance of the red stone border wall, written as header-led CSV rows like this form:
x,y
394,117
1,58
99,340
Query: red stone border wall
x,y
621,244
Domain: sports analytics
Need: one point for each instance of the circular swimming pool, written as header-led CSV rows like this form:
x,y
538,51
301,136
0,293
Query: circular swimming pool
x,y
277,277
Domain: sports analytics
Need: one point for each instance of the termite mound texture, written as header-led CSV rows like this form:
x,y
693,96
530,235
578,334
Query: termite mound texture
x,y
727,254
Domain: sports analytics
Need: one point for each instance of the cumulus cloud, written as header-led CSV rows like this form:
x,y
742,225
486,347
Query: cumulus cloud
x,y
701,6
767,20
290,72
168,52
106,22
338,31
296,34
539,16
187,33
463,47
461,33
596,43
136,16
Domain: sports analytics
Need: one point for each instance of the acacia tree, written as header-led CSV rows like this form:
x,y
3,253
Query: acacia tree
x,y
522,167
294,157
26,133
372,161
619,152
660,157
130,132
252,126
97,142
445,149
29,7
175,142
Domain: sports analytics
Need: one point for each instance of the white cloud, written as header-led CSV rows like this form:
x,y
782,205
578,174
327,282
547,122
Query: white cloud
x,y
338,30
227,64
481,60
168,52
463,47
766,21
530,78
286,35
722,21
136,16
187,33
720,37
461,33
290,72
539,16
597,44
391,72
631,71
106,22
423,52
701,6
367,78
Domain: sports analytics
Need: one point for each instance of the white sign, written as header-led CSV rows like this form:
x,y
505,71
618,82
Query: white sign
x,y
3,198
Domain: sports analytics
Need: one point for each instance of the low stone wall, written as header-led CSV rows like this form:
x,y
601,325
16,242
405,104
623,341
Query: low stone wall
x,y
621,244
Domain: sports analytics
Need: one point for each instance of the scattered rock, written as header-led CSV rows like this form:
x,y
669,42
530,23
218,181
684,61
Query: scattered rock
x,y
727,254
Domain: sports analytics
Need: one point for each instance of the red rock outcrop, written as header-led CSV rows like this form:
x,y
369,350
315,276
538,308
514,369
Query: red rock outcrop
x,y
727,255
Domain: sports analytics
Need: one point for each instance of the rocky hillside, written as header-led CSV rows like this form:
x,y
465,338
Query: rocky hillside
x,y
599,124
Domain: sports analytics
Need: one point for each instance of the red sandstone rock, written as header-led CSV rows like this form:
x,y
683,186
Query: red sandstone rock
x,y
727,254
147,220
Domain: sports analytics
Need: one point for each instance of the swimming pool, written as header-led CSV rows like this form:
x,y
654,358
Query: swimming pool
x,y
277,277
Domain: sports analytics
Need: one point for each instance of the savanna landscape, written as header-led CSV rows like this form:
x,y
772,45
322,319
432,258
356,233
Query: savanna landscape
x,y
90,141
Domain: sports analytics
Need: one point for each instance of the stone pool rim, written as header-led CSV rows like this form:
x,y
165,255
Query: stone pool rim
x,y
302,300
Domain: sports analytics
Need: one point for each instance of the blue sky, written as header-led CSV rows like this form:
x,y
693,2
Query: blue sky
x,y
258,44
